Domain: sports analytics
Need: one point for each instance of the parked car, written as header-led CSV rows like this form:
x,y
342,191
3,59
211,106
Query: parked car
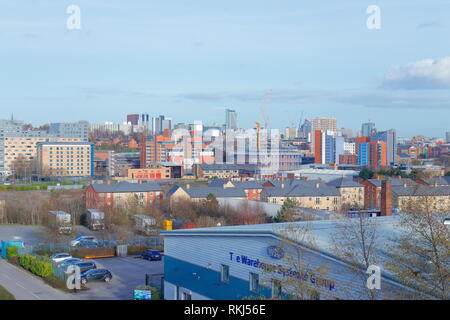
x,y
96,275
75,242
59,257
68,262
87,244
85,265
151,254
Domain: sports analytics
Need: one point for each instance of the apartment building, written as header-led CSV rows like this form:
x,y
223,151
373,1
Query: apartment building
x,y
65,159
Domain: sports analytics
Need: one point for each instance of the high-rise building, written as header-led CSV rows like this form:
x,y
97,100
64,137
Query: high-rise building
x,y
231,119
390,137
78,129
321,124
133,119
447,137
305,130
329,145
290,133
368,129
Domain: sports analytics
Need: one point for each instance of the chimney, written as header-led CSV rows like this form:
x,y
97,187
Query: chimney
x,y
188,186
282,186
108,181
386,198
317,185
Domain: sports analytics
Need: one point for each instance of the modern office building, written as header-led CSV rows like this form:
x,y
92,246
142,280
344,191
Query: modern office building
x,y
78,130
368,129
133,119
328,146
231,119
305,130
65,159
390,137
321,124
447,137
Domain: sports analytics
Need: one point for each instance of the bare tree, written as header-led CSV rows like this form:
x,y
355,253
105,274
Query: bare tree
x,y
421,259
355,241
303,276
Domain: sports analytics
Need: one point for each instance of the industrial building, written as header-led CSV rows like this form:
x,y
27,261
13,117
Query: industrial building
x,y
251,262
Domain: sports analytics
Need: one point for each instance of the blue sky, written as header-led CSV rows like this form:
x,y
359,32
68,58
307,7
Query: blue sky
x,y
190,60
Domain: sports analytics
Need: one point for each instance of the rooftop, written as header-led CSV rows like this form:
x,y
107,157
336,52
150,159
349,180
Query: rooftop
x,y
125,187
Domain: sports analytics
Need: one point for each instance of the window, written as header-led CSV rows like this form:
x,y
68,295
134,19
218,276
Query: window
x,y
224,273
186,296
254,282
276,289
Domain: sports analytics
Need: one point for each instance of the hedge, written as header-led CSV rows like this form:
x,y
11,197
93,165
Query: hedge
x,y
12,252
36,265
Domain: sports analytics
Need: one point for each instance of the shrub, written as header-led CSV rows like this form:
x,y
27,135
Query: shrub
x,y
12,252
37,265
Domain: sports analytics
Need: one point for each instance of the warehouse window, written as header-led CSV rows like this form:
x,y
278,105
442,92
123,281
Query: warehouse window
x,y
187,296
254,282
276,289
224,273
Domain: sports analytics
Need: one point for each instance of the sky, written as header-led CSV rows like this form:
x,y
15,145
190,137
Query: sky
x,y
190,60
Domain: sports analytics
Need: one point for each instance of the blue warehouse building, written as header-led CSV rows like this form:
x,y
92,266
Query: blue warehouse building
x,y
253,261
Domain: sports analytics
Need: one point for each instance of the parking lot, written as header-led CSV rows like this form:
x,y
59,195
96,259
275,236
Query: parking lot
x,y
128,273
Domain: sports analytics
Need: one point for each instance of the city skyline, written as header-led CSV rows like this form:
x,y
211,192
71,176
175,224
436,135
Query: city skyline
x,y
193,61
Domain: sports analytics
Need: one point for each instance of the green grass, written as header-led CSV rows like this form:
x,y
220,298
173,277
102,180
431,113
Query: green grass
x,y
5,294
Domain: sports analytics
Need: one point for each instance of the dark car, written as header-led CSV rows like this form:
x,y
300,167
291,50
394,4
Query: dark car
x,y
85,265
68,262
96,275
151,254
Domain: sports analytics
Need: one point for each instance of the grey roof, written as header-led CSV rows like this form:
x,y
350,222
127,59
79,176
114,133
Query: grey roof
x,y
247,184
290,183
344,183
303,190
217,182
440,181
49,143
203,192
237,184
124,187
394,182
421,190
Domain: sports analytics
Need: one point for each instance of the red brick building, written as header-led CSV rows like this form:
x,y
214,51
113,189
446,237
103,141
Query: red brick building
x,y
112,195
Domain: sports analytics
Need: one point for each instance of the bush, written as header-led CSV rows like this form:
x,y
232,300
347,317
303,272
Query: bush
x,y
12,252
38,266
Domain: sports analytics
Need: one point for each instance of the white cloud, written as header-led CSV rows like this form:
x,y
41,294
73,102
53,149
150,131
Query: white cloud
x,y
423,74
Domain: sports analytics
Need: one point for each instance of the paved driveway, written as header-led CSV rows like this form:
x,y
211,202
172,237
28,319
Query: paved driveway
x,y
128,273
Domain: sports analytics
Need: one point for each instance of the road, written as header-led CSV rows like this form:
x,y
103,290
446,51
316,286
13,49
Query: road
x,y
27,287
